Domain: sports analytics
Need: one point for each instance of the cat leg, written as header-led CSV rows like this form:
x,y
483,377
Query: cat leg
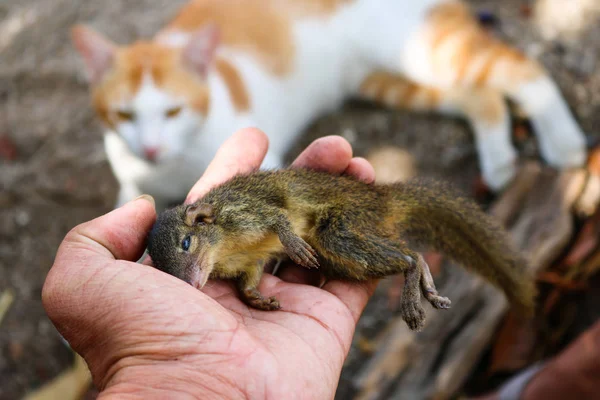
x,y
485,109
127,192
272,160
127,169
452,50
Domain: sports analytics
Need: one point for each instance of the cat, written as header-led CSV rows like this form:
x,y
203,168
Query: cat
x,y
221,65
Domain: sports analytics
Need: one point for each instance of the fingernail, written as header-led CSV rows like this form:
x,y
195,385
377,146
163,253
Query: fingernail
x,y
146,197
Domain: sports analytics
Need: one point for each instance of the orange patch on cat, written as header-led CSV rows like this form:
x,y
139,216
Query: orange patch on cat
x,y
473,45
446,20
260,27
396,91
248,25
162,64
481,104
311,8
235,85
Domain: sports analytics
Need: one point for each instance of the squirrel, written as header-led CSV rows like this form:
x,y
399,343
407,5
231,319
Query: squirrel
x,y
349,229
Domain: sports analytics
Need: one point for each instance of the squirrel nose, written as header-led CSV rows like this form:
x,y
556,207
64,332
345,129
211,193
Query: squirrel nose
x,y
150,153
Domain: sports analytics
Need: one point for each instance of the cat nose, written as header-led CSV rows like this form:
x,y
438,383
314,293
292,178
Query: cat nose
x,y
150,153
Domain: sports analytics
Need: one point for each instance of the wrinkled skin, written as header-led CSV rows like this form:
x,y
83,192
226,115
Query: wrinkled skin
x,y
146,334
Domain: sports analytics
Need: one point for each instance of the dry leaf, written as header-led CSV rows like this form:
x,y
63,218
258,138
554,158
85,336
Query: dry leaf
x,y
560,282
587,240
8,150
514,345
70,385
593,162
365,345
520,133
5,302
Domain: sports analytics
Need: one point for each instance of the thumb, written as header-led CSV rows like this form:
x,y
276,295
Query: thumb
x,y
88,249
120,234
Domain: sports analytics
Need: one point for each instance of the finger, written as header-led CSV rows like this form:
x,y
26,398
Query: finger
x,y
361,169
340,161
330,153
243,152
294,274
118,235
354,295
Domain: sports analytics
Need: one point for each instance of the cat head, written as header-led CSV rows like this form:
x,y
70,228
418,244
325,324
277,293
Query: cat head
x,y
154,95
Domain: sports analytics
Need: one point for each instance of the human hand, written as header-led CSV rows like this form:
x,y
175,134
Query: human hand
x,y
147,334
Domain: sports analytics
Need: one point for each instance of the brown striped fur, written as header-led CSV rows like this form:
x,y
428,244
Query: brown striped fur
x,y
477,58
239,25
482,104
237,22
240,28
396,91
235,84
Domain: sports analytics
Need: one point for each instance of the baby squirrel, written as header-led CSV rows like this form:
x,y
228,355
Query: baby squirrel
x,y
349,229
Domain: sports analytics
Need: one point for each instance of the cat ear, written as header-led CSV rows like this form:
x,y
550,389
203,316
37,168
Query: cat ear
x,y
97,52
200,50
199,213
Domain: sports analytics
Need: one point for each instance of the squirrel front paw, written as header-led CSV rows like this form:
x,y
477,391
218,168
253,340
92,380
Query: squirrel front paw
x,y
301,252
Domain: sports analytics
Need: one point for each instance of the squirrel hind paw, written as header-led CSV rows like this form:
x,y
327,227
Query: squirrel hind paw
x,y
439,302
266,304
414,316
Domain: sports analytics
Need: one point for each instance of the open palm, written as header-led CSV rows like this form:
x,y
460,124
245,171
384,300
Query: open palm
x,y
147,334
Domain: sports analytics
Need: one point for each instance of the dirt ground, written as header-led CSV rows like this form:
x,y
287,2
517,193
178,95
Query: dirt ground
x,y
54,173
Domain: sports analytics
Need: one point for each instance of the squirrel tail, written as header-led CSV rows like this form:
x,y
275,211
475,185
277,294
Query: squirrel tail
x,y
435,216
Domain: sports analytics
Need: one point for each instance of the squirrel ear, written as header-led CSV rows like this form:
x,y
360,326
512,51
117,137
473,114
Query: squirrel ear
x,y
196,214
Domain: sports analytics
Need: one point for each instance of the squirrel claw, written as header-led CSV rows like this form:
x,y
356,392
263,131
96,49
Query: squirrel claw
x,y
265,304
437,301
254,299
442,303
302,253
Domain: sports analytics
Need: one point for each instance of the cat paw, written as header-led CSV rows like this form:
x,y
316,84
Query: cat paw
x,y
499,177
562,147
413,314
566,158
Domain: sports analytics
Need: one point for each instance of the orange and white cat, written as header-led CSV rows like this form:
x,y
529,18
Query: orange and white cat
x,y
221,65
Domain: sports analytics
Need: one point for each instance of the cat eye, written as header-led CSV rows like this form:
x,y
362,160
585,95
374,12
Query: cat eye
x,y
185,244
124,115
173,112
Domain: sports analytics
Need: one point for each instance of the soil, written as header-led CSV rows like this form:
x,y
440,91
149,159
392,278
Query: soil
x,y
54,172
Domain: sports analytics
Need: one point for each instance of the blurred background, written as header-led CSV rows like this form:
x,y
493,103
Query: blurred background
x,y
54,175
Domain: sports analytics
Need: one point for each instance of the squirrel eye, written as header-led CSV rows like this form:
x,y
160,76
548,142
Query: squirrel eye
x,y
185,245
173,112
